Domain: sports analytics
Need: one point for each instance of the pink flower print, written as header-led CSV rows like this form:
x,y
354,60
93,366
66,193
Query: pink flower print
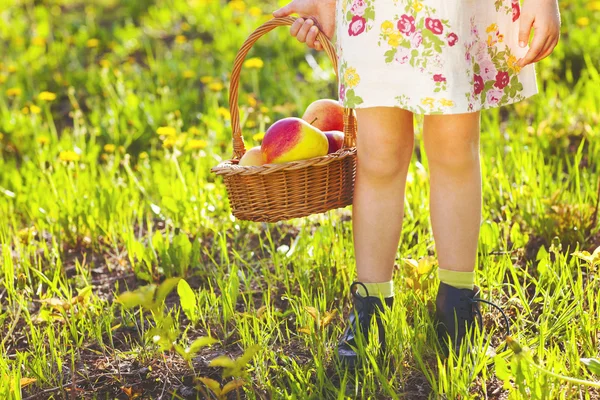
x,y
357,26
480,51
358,7
402,55
501,79
439,78
406,24
493,96
416,39
452,39
434,25
477,84
516,10
342,92
488,70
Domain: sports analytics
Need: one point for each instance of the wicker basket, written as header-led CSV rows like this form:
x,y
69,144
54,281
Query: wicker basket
x,y
277,192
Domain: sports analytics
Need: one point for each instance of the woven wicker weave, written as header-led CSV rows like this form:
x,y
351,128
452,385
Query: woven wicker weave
x,y
277,192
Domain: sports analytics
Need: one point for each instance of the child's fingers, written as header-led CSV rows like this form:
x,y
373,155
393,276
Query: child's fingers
x,y
537,44
525,24
284,11
311,36
295,28
550,45
303,32
318,45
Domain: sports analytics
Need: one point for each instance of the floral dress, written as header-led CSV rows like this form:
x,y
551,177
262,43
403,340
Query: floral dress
x,y
431,56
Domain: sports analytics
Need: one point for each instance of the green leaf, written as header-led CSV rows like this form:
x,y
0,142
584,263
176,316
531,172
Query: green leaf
x,y
187,298
592,364
164,289
213,385
230,386
222,361
199,344
502,371
142,296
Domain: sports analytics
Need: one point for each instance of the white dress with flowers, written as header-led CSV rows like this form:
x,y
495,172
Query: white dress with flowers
x,y
431,56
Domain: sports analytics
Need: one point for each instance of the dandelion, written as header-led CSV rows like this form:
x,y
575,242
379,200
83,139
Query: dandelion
x,y
13,92
25,110
197,144
47,96
254,62
193,131
169,142
223,112
258,136
109,148
42,140
189,74
216,86
166,131
68,156
92,43
180,39
252,101
594,6
583,21
206,79
38,41
104,63
255,11
351,78
35,109
237,5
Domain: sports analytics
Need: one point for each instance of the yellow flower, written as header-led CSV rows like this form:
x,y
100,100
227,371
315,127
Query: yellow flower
x,y
206,79
43,140
2,78
13,92
583,21
194,131
25,110
252,101
109,148
417,6
104,63
250,124
394,39
491,41
500,38
47,96
594,6
255,11
180,39
143,155
197,144
254,62
91,43
264,109
12,68
166,131
351,78
69,156
216,86
1,135
237,5
512,64
387,27
428,101
223,112
189,74
38,41
169,142
446,102
35,109
492,28
258,136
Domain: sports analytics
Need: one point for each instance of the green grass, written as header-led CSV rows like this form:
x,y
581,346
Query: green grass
x,y
107,188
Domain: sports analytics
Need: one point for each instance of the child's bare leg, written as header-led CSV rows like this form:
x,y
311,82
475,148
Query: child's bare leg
x,y
385,141
452,146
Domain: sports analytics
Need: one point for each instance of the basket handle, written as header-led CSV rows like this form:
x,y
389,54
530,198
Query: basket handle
x,y
238,142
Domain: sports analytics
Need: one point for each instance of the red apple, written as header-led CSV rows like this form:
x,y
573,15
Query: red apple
x,y
292,139
252,157
325,114
336,140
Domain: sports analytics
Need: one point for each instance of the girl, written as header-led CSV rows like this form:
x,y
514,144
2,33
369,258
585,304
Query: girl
x,y
447,60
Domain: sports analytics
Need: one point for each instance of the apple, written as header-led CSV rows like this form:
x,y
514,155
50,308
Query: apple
x,y
293,139
252,157
325,114
336,140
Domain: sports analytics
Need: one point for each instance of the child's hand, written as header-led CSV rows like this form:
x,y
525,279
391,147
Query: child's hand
x,y
323,11
544,17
